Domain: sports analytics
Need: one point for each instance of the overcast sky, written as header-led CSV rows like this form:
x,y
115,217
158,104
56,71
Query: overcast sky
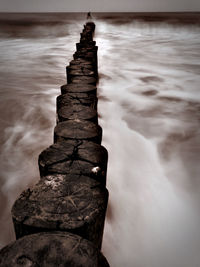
x,y
95,5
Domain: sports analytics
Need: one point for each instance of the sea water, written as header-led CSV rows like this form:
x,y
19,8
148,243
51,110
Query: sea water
x,y
149,109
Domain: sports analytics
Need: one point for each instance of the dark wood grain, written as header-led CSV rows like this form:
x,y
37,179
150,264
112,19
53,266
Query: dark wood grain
x,y
79,130
72,203
51,250
75,157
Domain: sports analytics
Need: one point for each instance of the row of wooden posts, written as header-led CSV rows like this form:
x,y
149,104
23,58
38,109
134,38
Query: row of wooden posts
x,y
60,220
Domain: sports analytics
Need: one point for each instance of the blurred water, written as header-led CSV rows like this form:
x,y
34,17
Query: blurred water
x,y
150,112
149,103
34,50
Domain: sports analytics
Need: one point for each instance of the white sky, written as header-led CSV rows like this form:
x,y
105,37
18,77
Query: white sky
x,y
98,6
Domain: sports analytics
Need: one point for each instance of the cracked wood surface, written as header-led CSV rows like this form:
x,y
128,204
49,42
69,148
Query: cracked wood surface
x,y
83,80
80,70
77,112
50,250
80,61
69,99
79,130
79,88
73,203
75,157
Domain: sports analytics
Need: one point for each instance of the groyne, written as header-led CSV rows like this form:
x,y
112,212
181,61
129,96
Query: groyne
x,y
60,220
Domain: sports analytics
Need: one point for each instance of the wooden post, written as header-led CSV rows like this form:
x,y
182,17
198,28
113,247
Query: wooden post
x,y
71,203
52,249
75,157
78,130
